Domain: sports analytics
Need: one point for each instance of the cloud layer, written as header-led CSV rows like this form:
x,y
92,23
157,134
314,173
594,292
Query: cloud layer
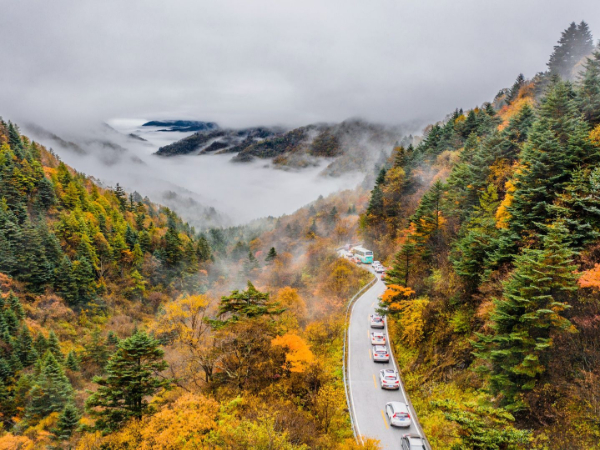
x,y
241,62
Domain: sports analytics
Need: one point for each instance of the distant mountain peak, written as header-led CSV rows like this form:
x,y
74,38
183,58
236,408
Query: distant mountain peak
x,y
182,125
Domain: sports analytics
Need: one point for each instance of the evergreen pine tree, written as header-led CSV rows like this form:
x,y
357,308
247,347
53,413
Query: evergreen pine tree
x,y
15,304
51,390
45,193
530,313
575,43
71,363
203,249
121,197
54,346
588,95
245,304
471,252
172,247
516,87
5,370
67,422
132,377
12,321
65,282
41,344
271,255
111,339
250,265
557,145
25,349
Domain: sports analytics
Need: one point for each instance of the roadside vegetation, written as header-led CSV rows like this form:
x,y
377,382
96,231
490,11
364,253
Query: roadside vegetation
x,y
493,223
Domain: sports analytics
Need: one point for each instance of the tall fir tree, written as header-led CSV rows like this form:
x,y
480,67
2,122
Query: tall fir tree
x,y
131,378
528,316
51,390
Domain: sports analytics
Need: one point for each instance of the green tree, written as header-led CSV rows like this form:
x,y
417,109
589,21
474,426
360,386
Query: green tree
x,y
575,43
483,427
25,349
245,304
527,317
15,304
271,255
132,377
121,197
51,390
557,145
588,94
67,422
72,363
54,346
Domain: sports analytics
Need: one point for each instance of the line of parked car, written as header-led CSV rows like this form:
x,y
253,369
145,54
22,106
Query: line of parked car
x,y
396,412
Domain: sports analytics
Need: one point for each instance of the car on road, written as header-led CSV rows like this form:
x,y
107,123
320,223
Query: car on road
x,y
377,338
381,354
379,269
376,263
398,415
413,442
376,321
389,379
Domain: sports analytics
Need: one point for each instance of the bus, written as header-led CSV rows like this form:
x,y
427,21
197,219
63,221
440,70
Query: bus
x,y
365,256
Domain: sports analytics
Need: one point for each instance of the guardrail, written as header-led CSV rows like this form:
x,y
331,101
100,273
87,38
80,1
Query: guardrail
x,y
405,392
345,357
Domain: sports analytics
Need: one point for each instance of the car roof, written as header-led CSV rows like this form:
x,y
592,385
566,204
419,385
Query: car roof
x,y
389,371
398,406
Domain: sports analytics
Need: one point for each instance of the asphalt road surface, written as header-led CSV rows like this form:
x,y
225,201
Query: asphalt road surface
x,y
367,397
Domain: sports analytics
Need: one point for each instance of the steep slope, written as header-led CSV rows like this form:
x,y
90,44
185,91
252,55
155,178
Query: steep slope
x,y
491,227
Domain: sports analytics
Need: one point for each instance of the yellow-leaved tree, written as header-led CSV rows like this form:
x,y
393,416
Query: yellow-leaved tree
x,y
297,352
183,320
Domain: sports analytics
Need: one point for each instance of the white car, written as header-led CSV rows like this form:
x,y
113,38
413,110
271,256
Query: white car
x,y
398,415
377,338
381,354
377,321
413,442
389,379
376,263
379,269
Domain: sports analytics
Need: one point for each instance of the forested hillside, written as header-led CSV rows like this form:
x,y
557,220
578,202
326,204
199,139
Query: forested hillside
x,y
492,227
121,327
355,144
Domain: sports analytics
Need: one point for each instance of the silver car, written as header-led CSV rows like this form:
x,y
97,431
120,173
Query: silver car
x,y
377,338
376,321
413,442
381,354
398,415
389,379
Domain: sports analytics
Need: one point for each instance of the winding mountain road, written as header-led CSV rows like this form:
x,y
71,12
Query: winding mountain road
x,y
367,398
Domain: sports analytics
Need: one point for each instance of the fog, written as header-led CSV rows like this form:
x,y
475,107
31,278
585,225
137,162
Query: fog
x,y
243,63
190,184
70,66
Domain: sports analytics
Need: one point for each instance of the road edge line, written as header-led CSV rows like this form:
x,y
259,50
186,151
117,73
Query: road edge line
x,y
346,353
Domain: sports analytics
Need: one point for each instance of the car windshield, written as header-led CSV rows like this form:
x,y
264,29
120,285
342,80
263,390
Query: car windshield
x,y
390,377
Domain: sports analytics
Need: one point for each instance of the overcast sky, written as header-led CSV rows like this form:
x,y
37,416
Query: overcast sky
x,y
250,62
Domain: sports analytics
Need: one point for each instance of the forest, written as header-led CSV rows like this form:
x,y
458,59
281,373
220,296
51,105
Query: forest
x,y
494,221
122,327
